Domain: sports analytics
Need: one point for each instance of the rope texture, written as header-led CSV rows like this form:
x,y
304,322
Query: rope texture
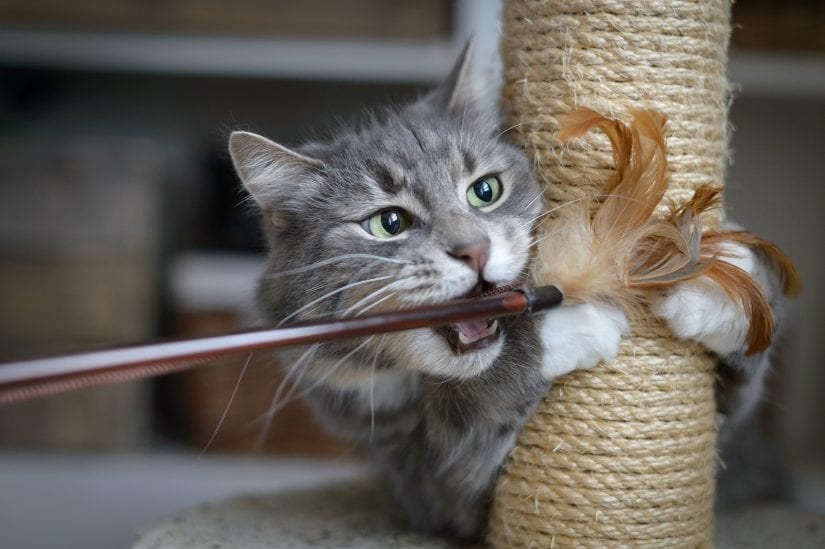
x,y
621,455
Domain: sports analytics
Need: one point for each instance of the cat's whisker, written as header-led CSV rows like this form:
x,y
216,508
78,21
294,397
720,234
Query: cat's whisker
x,y
331,370
513,127
332,293
355,276
553,210
331,260
226,408
544,237
372,386
278,402
627,198
324,286
539,195
576,200
287,381
382,300
372,399
373,295
321,380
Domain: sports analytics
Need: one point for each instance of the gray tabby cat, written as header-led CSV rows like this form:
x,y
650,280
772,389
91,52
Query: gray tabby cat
x,y
420,205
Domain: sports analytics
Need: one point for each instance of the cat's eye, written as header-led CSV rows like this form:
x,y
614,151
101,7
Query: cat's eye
x,y
484,192
387,223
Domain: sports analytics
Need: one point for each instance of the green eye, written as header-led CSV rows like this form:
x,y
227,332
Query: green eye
x,y
484,192
387,223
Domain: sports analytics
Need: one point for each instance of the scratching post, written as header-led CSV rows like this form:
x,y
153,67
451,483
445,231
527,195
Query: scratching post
x,y
623,454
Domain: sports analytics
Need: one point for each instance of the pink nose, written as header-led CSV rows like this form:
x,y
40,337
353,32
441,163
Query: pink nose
x,y
474,255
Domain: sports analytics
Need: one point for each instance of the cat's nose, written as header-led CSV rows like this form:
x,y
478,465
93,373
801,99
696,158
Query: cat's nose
x,y
474,255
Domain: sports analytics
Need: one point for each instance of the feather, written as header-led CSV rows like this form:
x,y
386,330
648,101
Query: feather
x,y
616,250
601,255
777,261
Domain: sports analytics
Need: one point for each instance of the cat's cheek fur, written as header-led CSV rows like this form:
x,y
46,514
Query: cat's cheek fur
x,y
580,336
700,310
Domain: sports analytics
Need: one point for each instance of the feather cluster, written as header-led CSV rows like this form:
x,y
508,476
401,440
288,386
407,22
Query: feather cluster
x,y
616,248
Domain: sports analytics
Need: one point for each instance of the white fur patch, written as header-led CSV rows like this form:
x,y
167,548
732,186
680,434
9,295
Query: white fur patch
x,y
700,310
580,336
507,259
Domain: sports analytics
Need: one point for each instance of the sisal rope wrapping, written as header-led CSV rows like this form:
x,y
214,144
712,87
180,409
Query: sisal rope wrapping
x,y
621,455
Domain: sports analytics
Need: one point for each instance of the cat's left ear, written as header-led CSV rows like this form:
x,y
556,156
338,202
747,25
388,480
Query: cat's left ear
x,y
268,169
457,88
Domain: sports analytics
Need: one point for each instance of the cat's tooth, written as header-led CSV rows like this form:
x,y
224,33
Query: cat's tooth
x,y
491,329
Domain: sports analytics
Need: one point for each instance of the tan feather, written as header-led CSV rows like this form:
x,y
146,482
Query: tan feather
x,y
600,253
778,262
580,121
617,251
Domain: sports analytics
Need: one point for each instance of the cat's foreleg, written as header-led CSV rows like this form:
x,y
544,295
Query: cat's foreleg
x,y
700,310
580,336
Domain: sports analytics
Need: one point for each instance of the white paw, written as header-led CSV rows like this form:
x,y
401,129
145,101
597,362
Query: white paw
x,y
700,310
580,336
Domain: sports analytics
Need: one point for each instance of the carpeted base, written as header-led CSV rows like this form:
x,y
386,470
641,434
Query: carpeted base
x,y
361,515
347,515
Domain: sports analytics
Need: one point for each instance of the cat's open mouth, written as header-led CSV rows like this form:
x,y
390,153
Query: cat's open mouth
x,y
471,335
474,334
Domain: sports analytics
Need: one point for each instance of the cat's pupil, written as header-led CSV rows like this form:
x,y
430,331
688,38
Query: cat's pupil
x,y
391,221
483,190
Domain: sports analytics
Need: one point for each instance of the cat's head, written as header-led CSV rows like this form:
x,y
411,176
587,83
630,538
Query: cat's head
x,y
419,205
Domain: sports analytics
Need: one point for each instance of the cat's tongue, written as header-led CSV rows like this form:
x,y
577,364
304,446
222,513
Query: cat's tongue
x,y
475,334
473,330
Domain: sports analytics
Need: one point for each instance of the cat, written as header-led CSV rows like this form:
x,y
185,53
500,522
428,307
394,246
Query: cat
x,y
423,204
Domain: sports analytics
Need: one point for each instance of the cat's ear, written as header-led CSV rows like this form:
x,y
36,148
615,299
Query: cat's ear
x,y
457,88
267,168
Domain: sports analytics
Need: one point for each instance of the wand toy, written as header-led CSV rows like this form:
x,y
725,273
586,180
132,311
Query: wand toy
x,y
30,379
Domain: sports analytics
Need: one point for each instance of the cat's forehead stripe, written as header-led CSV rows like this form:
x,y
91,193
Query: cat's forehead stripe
x,y
415,135
421,195
383,176
469,161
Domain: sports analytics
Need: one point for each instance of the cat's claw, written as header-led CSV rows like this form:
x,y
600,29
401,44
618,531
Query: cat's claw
x,y
700,310
580,336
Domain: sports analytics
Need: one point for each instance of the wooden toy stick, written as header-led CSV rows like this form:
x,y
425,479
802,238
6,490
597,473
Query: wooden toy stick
x,y
33,378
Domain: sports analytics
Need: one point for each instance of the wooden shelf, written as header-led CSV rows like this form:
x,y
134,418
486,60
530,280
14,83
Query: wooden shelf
x,y
774,74
346,60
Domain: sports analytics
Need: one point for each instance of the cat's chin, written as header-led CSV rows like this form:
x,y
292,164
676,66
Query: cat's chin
x,y
428,351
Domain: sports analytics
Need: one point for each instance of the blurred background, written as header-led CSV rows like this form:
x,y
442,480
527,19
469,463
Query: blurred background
x,y
121,219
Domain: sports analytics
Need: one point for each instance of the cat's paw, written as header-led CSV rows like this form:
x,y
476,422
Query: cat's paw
x,y
580,336
700,310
